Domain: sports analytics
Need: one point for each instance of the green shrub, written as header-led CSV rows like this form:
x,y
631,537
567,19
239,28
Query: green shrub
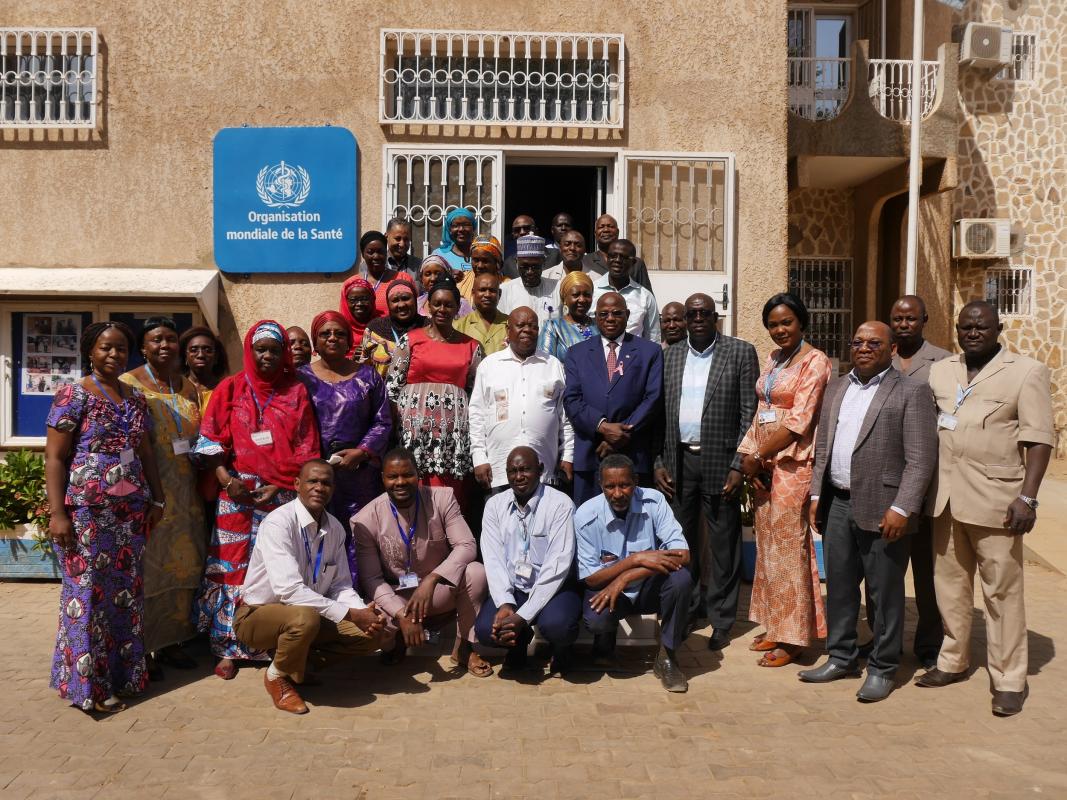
x,y
22,493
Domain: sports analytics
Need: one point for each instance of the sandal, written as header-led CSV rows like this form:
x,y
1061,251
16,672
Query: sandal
x,y
769,659
479,669
109,708
226,669
761,644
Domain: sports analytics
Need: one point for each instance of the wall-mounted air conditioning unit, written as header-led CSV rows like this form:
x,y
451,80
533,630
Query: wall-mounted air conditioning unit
x,y
982,238
985,46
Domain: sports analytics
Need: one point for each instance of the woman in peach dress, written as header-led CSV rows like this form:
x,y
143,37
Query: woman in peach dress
x,y
777,456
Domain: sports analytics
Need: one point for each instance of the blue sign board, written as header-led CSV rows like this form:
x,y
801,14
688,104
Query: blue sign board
x,y
285,200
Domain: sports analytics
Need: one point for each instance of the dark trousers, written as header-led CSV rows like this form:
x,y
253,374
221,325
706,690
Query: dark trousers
x,y
557,622
667,595
719,603
587,484
853,555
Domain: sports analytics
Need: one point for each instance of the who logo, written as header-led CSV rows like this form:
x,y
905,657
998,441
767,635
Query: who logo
x,y
283,185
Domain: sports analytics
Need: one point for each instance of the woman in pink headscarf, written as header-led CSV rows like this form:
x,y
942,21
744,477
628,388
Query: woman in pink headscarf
x,y
358,307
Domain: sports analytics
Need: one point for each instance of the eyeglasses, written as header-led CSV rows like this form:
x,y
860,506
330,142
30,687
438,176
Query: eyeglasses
x,y
207,349
613,314
521,228
870,344
698,313
333,335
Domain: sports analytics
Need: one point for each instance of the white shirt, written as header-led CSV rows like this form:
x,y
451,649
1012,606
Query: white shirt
x,y
694,387
516,402
548,547
556,273
281,572
644,315
543,299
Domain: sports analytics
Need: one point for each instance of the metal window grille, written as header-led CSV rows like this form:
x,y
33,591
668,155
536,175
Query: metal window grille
x,y
1023,67
48,77
825,286
1010,289
423,187
502,77
818,87
676,209
889,87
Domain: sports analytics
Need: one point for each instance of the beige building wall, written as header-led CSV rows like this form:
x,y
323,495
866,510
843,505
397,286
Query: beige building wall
x,y
138,192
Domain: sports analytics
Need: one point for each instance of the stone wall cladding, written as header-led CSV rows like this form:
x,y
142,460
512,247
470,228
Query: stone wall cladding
x,y
820,223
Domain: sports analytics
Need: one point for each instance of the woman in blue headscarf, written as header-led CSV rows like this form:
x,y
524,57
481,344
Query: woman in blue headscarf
x,y
457,238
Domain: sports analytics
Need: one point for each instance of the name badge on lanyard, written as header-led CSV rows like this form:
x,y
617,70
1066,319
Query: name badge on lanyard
x,y
766,416
409,579
947,422
262,438
181,446
524,570
318,557
126,456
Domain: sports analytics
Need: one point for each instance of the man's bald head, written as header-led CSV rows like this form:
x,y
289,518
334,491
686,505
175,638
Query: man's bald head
x,y
872,349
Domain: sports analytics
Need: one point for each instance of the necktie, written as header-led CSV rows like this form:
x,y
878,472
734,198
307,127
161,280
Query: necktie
x,y
613,361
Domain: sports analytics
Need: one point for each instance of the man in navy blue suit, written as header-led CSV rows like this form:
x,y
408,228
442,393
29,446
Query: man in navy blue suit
x,y
614,383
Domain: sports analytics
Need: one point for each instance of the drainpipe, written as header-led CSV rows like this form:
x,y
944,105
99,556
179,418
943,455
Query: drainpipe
x,y
915,171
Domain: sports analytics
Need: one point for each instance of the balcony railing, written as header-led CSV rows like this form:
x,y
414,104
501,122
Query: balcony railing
x,y
889,87
819,87
48,77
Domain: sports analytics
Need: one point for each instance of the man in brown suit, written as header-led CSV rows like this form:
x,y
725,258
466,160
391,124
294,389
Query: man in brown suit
x,y
994,407
875,452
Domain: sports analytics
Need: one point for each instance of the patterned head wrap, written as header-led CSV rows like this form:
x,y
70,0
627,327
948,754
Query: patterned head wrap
x,y
490,245
268,330
571,279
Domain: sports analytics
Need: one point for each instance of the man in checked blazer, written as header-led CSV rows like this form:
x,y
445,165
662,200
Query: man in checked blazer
x,y
875,453
709,394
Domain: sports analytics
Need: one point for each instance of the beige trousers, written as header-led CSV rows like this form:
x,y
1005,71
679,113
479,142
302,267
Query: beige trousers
x,y
959,548
291,632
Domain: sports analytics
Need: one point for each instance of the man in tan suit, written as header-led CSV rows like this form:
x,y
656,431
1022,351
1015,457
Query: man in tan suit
x,y
994,406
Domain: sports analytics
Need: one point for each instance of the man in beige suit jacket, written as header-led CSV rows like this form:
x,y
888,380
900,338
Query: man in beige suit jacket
x,y
994,407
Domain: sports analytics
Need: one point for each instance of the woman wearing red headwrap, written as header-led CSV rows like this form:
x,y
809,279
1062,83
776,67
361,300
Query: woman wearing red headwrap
x,y
358,308
354,418
258,429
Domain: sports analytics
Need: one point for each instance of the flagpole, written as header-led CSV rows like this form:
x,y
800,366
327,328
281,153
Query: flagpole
x,y
915,165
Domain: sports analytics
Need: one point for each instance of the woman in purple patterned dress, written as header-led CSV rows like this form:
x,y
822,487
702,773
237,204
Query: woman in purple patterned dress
x,y
101,479
354,417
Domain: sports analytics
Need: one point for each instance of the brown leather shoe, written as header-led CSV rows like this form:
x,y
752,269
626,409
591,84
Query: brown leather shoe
x,y
283,694
1008,704
935,678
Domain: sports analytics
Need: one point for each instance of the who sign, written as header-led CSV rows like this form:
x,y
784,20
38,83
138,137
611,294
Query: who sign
x,y
285,200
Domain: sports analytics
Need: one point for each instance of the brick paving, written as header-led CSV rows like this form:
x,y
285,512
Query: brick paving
x,y
418,731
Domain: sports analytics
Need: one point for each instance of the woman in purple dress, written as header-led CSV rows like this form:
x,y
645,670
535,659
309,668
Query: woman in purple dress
x,y
352,408
104,496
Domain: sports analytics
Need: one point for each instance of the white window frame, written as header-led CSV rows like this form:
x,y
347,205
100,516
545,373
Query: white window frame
x,y
1006,73
33,82
1026,299
99,310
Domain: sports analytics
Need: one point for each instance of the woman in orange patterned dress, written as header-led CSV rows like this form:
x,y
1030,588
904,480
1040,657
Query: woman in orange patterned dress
x,y
777,456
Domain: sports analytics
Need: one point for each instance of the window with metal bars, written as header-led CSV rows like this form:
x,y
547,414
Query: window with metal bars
x,y
48,77
1010,290
1023,66
825,286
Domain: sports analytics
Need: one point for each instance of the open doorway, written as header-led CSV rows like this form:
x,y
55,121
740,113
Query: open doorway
x,y
544,190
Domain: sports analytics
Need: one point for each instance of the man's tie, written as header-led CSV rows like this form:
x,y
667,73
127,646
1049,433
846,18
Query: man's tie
x,y
613,361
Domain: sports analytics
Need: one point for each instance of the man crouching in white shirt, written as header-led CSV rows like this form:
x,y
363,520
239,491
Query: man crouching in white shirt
x,y
298,590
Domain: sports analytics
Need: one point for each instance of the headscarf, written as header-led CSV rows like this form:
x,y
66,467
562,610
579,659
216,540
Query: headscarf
x,y
357,326
446,234
328,316
490,245
384,327
569,280
247,402
433,258
371,236
401,283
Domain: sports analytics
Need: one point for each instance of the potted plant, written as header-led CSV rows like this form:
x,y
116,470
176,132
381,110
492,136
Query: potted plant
x,y
25,550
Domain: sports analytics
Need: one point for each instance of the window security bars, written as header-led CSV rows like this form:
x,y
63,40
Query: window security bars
x,y
889,87
818,87
502,78
1010,289
825,286
1023,67
48,77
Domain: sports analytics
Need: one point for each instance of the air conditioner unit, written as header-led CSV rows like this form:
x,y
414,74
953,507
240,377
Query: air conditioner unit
x,y
982,238
986,46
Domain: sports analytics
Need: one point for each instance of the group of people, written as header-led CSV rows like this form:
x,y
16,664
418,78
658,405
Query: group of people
x,y
561,454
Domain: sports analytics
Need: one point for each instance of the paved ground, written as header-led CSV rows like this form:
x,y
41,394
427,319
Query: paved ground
x,y
421,732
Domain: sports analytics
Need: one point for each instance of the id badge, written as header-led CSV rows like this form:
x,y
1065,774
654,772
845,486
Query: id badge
x,y
947,422
181,446
766,416
126,456
262,438
524,570
409,580
500,398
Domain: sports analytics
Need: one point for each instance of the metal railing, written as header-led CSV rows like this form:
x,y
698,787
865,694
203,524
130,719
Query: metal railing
x,y
818,87
889,87
825,286
48,77
1010,289
502,78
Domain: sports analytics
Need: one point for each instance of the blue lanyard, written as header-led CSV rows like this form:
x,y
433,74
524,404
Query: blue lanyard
x,y
260,409
961,395
409,537
772,376
318,556
171,402
525,531
120,411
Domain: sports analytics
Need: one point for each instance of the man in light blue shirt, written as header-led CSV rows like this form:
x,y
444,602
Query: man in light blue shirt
x,y
528,549
633,558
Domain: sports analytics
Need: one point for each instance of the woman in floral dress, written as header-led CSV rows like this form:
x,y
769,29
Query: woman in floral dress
x,y
429,383
104,496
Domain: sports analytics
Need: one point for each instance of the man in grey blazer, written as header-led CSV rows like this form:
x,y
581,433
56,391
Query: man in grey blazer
x,y
875,453
709,393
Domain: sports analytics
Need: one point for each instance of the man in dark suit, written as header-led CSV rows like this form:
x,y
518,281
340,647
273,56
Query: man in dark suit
x,y
709,400
614,384
595,262
875,453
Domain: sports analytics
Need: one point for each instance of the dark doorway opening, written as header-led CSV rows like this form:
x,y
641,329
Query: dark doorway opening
x,y
542,191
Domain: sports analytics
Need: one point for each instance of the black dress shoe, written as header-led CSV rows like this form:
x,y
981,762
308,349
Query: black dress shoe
x,y
875,688
672,678
1008,704
562,659
516,659
720,638
155,671
604,650
936,678
826,673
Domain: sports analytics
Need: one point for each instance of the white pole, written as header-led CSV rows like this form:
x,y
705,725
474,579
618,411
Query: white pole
x,y
915,172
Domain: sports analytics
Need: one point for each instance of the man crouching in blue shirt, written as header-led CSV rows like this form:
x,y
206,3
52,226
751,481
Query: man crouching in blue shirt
x,y
633,558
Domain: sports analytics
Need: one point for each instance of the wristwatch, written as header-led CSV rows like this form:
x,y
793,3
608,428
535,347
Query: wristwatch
x,y
1030,501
